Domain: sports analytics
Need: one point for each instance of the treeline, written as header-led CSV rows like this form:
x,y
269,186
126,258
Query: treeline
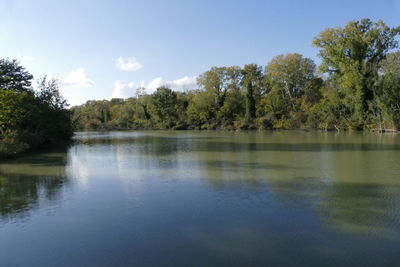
x,y
30,119
357,86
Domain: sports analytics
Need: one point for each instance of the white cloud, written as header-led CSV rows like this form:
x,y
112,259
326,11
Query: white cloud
x,y
184,83
154,84
125,90
129,89
77,78
181,84
128,64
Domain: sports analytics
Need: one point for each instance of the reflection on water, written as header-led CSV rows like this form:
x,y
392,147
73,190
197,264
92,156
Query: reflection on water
x,y
26,182
205,198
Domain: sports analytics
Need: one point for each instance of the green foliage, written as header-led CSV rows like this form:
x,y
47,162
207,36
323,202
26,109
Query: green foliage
x,y
218,81
389,93
28,119
164,107
202,109
14,77
358,87
290,73
14,109
351,56
252,82
11,143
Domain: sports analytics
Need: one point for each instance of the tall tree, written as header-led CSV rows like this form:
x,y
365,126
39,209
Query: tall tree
x,y
49,93
252,83
291,73
351,55
218,80
30,119
390,87
13,76
164,104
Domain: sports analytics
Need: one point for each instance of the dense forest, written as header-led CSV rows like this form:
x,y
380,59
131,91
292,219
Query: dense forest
x,y
356,87
30,119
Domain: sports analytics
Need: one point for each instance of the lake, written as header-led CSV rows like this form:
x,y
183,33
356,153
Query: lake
x,y
205,199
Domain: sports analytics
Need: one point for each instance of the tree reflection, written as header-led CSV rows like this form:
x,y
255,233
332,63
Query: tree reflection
x,y
25,182
351,188
349,180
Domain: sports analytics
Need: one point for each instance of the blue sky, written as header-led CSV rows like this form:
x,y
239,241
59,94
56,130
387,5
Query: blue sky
x,y
99,49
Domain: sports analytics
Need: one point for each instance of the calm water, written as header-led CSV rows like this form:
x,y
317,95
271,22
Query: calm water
x,y
205,199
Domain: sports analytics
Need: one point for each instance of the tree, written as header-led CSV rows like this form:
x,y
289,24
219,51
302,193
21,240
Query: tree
x,y
288,77
290,73
16,95
351,56
201,110
252,82
164,102
13,76
219,80
49,93
312,93
28,119
390,87
14,109
359,88
52,121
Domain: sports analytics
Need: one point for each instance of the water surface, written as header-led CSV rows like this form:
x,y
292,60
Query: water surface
x,y
204,199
